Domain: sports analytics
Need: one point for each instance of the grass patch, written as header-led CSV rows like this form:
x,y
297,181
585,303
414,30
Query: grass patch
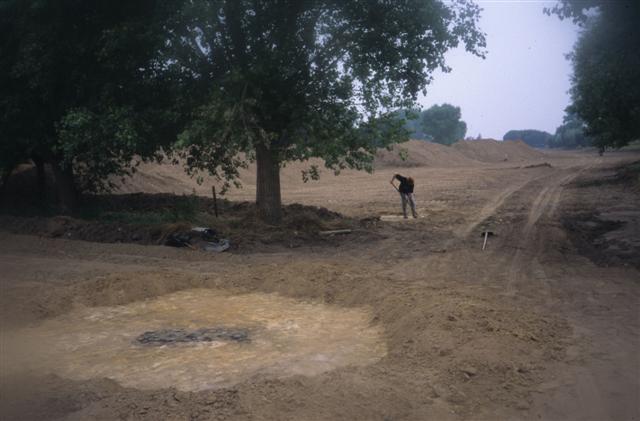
x,y
183,209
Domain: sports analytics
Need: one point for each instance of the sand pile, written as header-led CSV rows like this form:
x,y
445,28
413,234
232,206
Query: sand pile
x,y
418,153
170,178
165,177
489,150
152,177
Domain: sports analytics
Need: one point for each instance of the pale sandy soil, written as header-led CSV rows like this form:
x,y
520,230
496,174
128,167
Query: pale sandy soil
x,y
528,329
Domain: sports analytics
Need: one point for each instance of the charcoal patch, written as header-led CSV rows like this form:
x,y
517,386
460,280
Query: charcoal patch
x,y
175,336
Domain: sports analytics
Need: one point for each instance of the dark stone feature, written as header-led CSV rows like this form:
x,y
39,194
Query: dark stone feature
x,y
172,336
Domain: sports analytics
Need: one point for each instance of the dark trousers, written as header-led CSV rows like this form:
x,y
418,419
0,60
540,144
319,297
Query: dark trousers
x,y
408,197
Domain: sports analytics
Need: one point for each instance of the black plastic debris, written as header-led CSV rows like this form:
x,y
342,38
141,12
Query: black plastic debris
x,y
175,336
201,238
178,240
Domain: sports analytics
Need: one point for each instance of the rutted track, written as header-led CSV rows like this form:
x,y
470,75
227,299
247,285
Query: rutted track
x,y
530,267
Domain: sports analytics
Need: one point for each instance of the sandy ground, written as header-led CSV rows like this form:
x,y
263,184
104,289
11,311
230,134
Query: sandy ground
x,y
527,329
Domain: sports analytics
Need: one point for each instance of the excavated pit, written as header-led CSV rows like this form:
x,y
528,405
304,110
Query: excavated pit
x,y
196,340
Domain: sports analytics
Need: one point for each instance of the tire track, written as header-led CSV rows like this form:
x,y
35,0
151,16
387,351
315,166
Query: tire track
x,y
531,242
490,208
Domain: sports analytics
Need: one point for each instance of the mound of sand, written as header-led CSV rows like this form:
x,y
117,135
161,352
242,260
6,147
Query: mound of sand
x,y
152,177
165,177
168,178
489,150
419,153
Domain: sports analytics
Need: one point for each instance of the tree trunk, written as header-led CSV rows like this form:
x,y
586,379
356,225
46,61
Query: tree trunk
x,y
268,197
41,178
65,187
6,174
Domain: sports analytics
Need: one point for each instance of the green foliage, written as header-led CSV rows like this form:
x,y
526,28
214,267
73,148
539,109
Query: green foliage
x,y
533,138
412,122
86,85
312,173
442,124
606,64
571,134
574,10
314,79
97,144
91,87
184,209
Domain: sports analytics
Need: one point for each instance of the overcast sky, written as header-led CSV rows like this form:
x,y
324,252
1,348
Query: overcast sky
x,y
523,82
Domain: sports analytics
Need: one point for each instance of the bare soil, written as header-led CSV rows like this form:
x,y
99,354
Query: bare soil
x,y
490,150
150,219
534,327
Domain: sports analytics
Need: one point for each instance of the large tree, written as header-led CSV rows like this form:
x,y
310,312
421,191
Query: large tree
x,y
442,124
412,122
87,85
294,79
606,68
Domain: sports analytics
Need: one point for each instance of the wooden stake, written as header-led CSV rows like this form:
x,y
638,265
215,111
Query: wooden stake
x,y
215,200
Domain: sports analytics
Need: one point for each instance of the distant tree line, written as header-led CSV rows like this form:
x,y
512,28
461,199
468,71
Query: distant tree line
x,y
533,138
439,123
569,135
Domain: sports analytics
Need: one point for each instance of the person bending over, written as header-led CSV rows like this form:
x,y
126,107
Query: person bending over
x,y
406,193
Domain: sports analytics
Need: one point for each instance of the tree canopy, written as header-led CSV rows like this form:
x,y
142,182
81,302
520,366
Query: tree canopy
x,y
442,124
439,123
533,138
86,86
412,122
290,80
571,134
89,86
605,87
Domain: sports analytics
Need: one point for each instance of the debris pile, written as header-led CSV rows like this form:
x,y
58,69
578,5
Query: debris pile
x,y
200,238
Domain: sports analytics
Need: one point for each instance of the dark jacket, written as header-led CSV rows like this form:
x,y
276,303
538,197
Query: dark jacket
x,y
406,185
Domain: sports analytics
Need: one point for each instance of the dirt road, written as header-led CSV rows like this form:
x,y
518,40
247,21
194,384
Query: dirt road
x,y
528,329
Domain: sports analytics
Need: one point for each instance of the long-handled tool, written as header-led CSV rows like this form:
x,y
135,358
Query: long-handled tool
x,y
486,235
